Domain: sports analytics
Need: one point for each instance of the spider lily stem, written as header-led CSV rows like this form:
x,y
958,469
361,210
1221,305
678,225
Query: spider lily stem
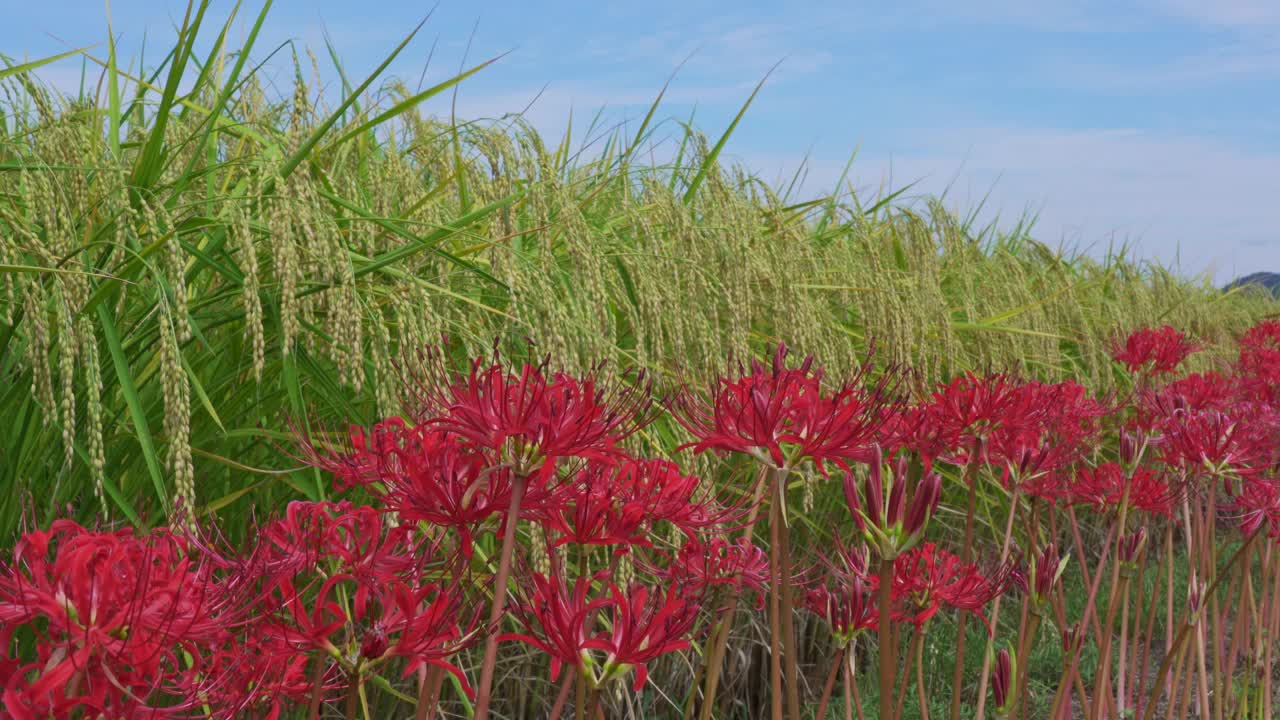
x,y
851,695
787,599
562,698
1188,625
1144,665
830,684
353,699
966,555
1024,654
775,582
985,677
597,707
580,701
430,694
1119,583
485,690
888,656
724,624
317,688
719,645
920,694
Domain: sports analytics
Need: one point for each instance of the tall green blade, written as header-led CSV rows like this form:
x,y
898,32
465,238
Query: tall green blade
x,y
711,157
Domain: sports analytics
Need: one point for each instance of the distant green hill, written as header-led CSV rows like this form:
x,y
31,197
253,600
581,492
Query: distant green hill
x,y
1268,280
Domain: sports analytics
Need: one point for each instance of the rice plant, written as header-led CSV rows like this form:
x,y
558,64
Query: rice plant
x,y
198,272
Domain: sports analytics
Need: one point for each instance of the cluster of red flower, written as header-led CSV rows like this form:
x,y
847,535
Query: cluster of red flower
x,y
614,560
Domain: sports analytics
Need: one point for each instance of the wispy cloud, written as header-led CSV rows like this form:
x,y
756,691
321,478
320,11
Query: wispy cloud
x,y
1200,201
1248,14
746,48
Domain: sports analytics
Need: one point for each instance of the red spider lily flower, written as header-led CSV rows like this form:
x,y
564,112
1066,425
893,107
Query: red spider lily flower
x,y
700,565
1216,442
338,580
752,413
1260,352
556,619
430,625
646,623
619,504
533,419
916,429
784,411
256,675
846,604
303,620
351,540
425,625
1195,392
880,516
371,456
1050,486
969,408
1050,424
113,614
24,699
928,578
1156,351
1104,487
425,474
1003,677
1257,504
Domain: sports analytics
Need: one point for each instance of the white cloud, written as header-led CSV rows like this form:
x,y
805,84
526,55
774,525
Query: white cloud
x,y
747,50
1205,203
1247,14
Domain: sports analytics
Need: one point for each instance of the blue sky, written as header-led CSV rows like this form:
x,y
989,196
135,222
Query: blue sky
x,y
1155,123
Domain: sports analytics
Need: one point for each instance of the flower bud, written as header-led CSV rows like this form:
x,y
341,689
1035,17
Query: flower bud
x,y
1131,545
1195,594
875,487
779,358
1002,679
1127,450
1071,639
897,490
923,503
1024,462
979,449
852,500
1048,569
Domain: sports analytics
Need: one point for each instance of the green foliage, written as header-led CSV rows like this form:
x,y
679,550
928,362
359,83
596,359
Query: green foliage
x,y
188,269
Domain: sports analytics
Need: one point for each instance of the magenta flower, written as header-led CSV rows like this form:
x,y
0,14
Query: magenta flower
x,y
927,579
700,565
1103,487
557,619
530,420
646,623
113,615
779,412
1155,351
845,603
619,504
